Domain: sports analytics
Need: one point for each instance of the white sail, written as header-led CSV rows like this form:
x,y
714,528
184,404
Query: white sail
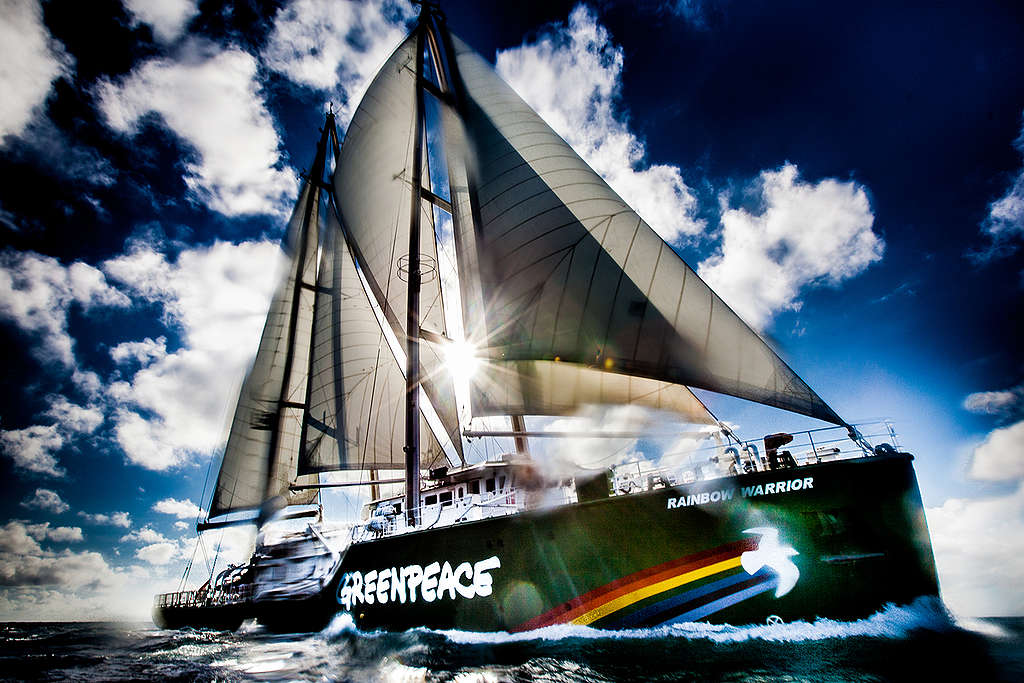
x,y
554,265
554,388
357,387
372,183
260,458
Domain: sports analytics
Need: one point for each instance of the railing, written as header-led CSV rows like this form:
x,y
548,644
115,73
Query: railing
x,y
204,598
808,447
459,510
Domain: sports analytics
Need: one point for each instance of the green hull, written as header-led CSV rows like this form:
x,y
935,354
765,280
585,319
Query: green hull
x,y
684,553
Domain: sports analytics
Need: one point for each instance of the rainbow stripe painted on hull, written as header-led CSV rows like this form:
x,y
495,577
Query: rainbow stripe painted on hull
x,y
718,571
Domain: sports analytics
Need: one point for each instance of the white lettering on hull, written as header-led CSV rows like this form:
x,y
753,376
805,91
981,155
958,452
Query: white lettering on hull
x,y
723,495
433,582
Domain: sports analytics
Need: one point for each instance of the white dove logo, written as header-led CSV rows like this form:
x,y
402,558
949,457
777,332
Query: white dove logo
x,y
774,555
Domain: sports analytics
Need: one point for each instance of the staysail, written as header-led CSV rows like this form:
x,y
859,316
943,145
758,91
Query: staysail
x,y
556,267
260,458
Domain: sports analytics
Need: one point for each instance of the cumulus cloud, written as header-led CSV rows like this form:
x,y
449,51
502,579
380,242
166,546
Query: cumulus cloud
x,y
59,534
217,296
32,61
1005,403
572,77
167,17
47,500
23,562
140,351
36,293
32,449
118,519
336,46
212,100
72,417
182,509
1004,224
158,553
146,534
979,552
806,235
1001,456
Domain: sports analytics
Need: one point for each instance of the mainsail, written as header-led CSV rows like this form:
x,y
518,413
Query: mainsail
x,y
558,267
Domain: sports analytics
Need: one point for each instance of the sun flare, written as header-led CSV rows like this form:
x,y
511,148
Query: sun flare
x,y
461,360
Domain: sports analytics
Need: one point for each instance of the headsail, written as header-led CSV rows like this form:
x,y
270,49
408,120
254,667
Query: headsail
x,y
555,266
260,458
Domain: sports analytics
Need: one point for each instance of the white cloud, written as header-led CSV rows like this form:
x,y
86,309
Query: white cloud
x,y
60,534
140,351
218,296
32,449
979,552
182,509
213,101
146,534
73,417
32,60
36,293
167,17
39,584
1001,456
1003,403
1005,221
45,499
336,46
23,562
572,77
806,235
158,553
118,519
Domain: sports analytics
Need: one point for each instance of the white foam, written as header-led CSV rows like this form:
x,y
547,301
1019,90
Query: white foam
x,y
891,622
341,623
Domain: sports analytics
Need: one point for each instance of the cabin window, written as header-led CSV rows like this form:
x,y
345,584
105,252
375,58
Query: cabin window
x,y
462,492
474,487
501,482
446,498
430,500
398,508
489,485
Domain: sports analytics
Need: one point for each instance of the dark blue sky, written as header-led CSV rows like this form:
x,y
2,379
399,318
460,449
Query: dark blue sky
x,y
916,107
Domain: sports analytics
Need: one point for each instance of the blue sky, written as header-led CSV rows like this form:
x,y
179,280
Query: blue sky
x,y
849,179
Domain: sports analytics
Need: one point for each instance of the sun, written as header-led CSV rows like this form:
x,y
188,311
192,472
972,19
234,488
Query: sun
x,y
461,360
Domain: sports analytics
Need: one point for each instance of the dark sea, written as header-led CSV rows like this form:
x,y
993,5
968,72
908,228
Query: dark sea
x,y
917,643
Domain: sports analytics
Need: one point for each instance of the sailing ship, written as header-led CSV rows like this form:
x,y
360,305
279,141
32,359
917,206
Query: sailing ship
x,y
568,299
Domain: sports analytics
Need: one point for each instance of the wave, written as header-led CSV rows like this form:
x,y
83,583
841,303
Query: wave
x,y
893,622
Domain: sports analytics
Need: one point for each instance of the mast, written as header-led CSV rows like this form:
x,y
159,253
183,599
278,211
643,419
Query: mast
x,y
329,134
316,179
412,374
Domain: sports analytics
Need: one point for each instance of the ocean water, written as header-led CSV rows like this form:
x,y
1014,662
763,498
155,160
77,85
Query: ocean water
x,y
920,643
